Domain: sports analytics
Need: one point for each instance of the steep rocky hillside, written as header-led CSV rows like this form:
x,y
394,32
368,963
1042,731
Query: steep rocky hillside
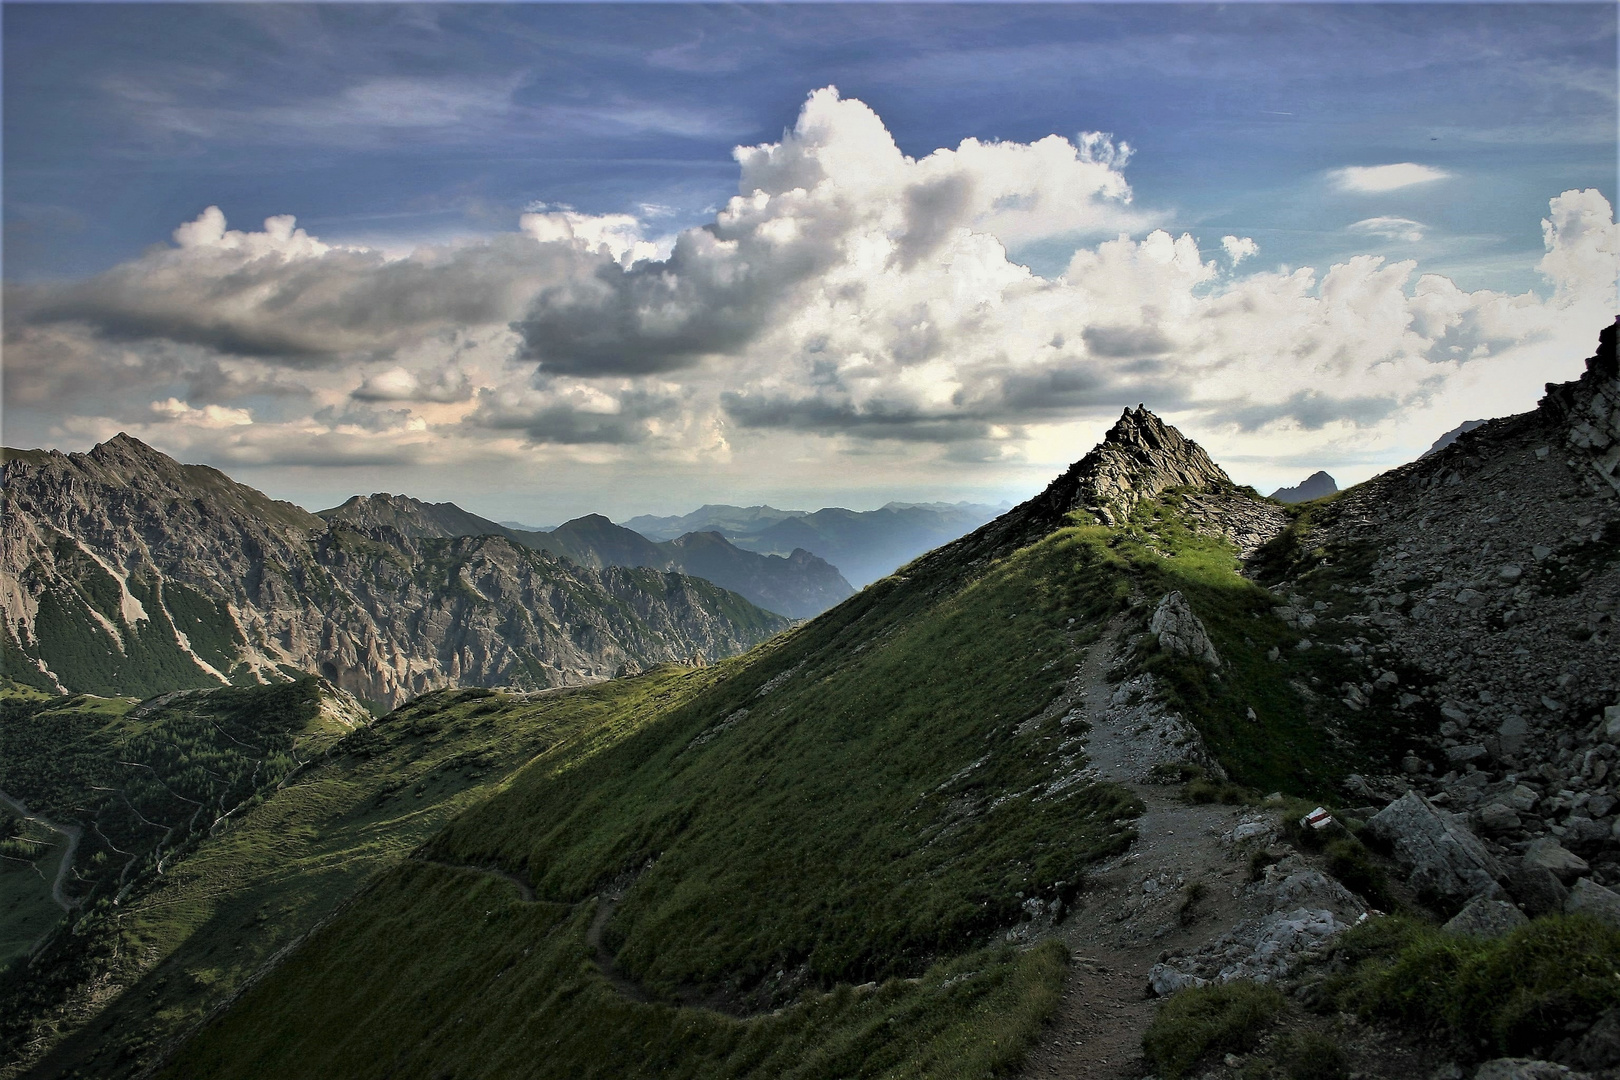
x,y
125,572
798,585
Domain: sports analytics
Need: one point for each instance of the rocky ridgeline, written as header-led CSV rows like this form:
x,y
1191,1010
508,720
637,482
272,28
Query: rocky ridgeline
x,y
799,585
1140,457
1493,569
122,567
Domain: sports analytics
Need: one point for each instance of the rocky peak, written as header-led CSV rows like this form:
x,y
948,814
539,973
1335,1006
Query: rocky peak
x,y
1140,457
1589,409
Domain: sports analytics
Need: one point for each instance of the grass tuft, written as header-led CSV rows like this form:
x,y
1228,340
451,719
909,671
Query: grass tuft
x,y
1194,1023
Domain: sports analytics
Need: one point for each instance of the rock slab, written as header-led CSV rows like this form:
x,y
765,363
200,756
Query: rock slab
x,y
1441,856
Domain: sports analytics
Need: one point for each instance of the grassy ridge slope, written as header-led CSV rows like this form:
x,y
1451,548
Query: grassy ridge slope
x,y
871,799
875,814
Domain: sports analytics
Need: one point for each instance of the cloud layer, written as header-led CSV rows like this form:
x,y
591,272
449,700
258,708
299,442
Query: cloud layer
x,y
848,294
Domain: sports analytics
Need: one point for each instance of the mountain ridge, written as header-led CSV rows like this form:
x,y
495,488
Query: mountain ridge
x,y
798,585
864,544
130,572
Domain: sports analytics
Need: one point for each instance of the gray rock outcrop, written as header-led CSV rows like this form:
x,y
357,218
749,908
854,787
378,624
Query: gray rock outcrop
x,y
1587,897
1548,854
1439,853
1485,918
1180,632
1527,1069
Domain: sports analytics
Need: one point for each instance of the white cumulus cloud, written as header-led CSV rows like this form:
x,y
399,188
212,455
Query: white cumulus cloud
x,y
1238,248
1378,178
849,296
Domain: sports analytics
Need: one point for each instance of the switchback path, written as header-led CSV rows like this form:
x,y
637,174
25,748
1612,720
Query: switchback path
x,y
72,832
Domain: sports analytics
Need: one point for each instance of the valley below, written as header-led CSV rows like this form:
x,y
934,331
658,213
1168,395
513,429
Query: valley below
x,y
1149,776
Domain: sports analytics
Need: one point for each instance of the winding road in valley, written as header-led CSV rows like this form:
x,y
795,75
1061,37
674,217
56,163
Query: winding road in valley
x,y
72,832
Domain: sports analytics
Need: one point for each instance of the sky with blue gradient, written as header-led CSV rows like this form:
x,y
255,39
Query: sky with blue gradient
x,y
503,283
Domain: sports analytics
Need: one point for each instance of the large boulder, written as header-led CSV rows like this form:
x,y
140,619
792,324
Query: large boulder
x,y
1589,898
1485,918
1180,632
1599,1048
1550,855
1441,856
1537,889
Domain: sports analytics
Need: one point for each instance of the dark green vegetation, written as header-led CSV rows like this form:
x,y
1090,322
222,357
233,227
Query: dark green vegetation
x,y
864,800
874,810
1517,995
493,986
235,893
1201,1021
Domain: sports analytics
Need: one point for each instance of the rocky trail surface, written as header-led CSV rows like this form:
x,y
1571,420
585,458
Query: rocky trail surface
x,y
1139,905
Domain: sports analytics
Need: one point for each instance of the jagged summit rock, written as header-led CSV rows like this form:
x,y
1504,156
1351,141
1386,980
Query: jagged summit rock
x,y
1140,457
1314,486
1589,409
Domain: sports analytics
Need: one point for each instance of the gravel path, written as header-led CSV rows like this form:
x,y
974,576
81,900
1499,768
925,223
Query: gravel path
x,y
1131,912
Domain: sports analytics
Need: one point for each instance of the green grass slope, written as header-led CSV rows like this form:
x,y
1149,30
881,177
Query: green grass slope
x,y
135,974
831,868
802,862
796,863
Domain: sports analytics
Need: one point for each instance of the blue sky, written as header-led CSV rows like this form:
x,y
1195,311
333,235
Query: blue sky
x,y
401,128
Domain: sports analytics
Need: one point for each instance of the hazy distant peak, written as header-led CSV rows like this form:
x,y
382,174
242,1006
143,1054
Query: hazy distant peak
x,y
1314,486
1451,436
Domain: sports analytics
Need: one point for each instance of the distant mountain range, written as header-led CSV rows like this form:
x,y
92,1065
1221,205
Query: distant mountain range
x,y
864,545
123,571
798,585
1314,486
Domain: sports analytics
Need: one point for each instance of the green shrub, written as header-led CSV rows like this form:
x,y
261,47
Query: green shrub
x,y
1349,860
1513,995
1310,1056
1205,1020
1193,895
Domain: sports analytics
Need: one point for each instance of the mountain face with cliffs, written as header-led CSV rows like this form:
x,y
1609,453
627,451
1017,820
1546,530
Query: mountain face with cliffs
x,y
123,571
